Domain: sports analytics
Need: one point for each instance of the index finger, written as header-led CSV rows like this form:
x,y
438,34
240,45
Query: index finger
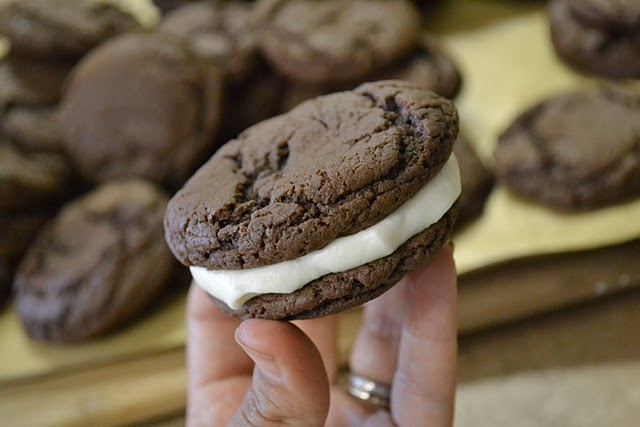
x,y
212,352
424,383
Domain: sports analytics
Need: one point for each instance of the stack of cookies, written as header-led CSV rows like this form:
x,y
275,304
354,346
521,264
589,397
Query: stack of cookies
x,y
84,268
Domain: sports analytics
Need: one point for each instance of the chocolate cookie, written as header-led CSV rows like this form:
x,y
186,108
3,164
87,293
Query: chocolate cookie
x,y
600,37
33,128
96,264
574,151
429,67
141,105
291,185
70,28
223,31
328,42
477,182
31,180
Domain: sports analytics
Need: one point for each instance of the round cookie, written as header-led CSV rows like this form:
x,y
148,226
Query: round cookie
x,y
97,264
141,105
477,182
600,37
70,28
291,185
429,67
222,31
31,180
328,42
573,151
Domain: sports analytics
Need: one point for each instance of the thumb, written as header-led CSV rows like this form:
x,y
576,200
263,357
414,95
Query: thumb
x,y
290,385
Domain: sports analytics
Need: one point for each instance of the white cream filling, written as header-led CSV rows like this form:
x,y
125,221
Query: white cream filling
x,y
235,287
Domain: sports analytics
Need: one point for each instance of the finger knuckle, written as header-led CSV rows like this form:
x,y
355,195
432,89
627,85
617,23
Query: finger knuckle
x,y
261,410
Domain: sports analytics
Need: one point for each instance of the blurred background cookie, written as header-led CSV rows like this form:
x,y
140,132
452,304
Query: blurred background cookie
x,y
48,29
99,262
429,66
573,151
141,105
329,42
226,33
600,37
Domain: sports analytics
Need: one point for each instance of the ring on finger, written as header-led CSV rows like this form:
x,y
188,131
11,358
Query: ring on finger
x,y
369,391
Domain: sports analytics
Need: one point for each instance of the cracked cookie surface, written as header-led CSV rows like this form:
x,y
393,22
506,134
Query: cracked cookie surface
x,y
96,264
331,167
600,37
574,151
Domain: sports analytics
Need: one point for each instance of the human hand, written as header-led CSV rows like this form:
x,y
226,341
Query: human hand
x,y
282,373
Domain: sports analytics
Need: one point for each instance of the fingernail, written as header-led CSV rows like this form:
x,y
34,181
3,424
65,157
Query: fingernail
x,y
266,363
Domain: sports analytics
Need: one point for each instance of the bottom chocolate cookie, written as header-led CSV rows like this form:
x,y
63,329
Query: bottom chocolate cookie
x,y
337,292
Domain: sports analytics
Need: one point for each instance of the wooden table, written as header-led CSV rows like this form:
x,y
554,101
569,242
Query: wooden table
x,y
522,326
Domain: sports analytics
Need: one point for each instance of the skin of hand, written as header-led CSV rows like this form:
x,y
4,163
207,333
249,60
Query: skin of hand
x,y
271,373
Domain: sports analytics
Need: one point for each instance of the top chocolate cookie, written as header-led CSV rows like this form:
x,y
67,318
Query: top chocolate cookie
x,y
330,167
599,37
334,41
69,28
